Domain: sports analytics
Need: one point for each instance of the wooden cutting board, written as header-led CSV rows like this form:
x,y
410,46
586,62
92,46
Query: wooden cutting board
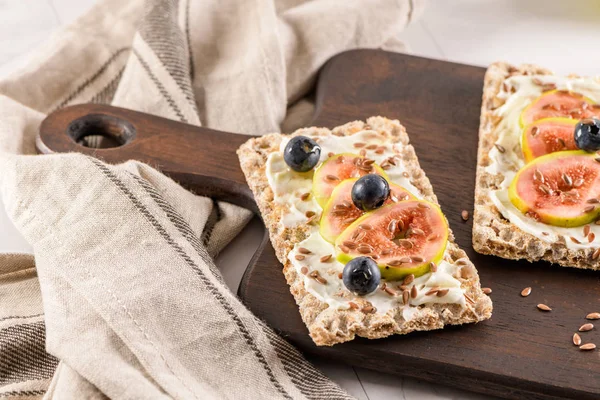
x,y
520,353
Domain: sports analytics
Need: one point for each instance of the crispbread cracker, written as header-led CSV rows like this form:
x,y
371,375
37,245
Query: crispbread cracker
x,y
328,326
492,233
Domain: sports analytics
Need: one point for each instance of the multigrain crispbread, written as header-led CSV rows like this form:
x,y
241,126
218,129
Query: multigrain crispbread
x,y
330,325
492,232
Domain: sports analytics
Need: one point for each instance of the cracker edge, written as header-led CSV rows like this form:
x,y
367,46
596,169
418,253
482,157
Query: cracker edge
x,y
328,327
492,234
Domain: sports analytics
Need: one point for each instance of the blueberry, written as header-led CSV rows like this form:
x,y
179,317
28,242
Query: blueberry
x,y
302,153
370,192
587,134
361,276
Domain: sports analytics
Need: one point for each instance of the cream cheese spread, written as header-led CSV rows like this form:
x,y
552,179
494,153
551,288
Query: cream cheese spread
x,y
524,91
288,186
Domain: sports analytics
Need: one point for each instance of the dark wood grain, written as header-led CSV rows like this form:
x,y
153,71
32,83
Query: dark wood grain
x,y
520,353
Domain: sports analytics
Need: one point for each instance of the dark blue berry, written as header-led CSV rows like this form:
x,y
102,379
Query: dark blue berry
x,y
587,134
361,276
370,192
302,153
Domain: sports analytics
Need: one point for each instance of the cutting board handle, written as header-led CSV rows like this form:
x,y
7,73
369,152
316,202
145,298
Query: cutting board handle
x,y
203,160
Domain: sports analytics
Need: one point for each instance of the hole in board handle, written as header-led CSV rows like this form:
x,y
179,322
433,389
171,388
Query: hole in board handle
x,y
100,131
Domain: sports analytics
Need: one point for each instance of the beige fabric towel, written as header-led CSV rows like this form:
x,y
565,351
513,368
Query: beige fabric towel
x,y
123,294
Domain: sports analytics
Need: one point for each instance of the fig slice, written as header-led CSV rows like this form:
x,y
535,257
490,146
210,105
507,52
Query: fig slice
x,y
340,212
340,167
403,238
559,103
559,189
548,135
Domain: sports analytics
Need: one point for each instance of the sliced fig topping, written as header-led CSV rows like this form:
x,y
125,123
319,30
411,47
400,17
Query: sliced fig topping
x,y
418,239
559,103
547,136
555,188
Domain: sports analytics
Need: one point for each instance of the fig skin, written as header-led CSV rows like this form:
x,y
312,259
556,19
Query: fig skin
x,y
555,220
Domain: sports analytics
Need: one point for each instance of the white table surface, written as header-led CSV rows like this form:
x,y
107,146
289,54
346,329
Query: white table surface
x,y
561,35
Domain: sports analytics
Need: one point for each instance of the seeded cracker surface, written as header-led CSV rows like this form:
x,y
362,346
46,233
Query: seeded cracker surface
x,y
492,234
329,326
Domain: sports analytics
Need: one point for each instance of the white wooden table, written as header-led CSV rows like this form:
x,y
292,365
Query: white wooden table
x,y
557,34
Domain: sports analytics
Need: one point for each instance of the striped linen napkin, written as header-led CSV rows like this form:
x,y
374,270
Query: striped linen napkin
x,y
121,298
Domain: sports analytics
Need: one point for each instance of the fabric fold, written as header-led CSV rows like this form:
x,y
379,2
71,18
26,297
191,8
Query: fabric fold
x,y
124,300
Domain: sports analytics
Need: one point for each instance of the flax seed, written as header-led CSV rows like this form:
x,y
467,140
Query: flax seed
x,y
500,148
543,307
358,145
442,292
432,291
587,346
299,257
353,305
576,339
591,236
408,279
371,147
390,291
405,297
368,309
305,196
364,249
350,244
575,240
392,226
344,249
433,267
303,250
340,275
592,316
596,254
486,290
586,327
586,230
332,177
325,258
309,214
413,292
304,270
363,152
465,215
417,259
526,292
